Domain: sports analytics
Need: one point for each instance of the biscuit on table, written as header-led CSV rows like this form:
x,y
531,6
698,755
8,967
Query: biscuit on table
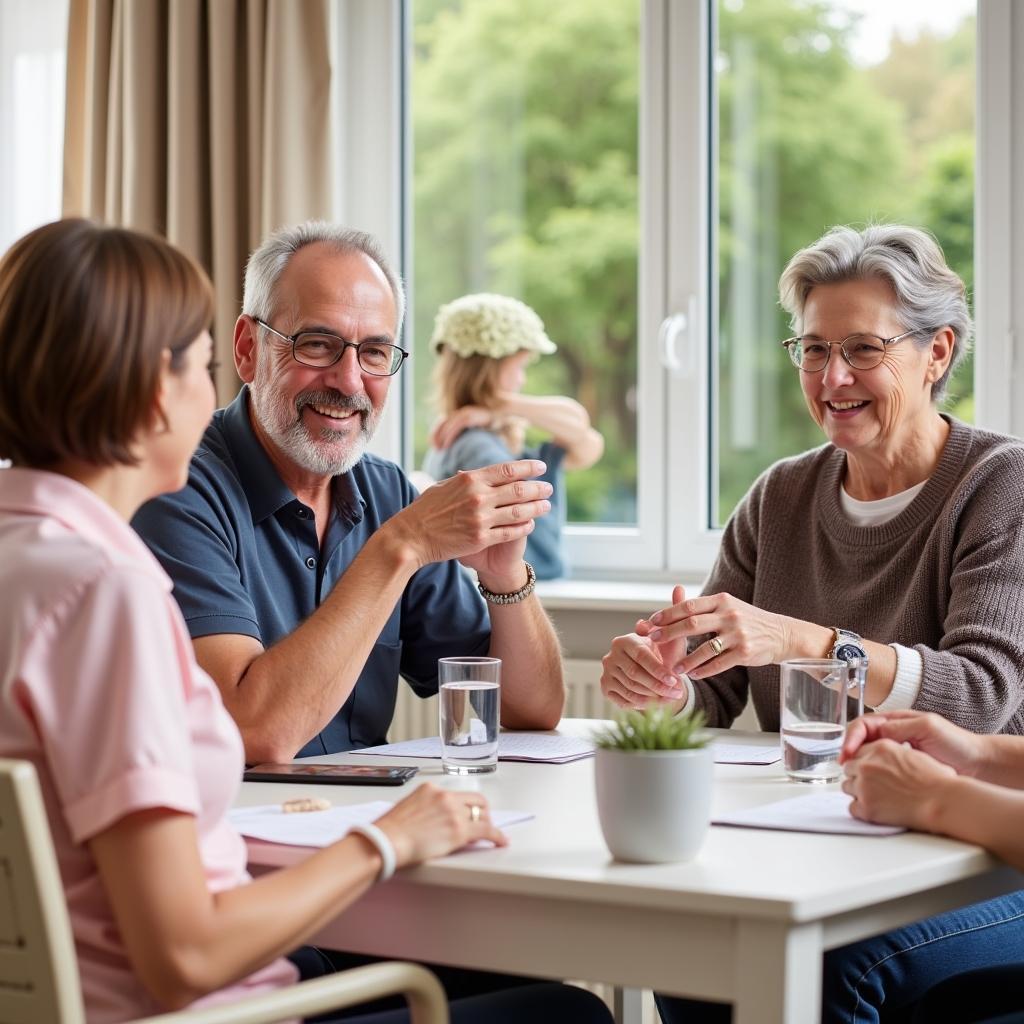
x,y
305,803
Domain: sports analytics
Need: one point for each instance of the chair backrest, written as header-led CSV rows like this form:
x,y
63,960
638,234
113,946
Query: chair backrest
x,y
38,968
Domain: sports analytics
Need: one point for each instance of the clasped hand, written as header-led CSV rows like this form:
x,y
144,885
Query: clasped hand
x,y
745,635
481,517
896,762
647,666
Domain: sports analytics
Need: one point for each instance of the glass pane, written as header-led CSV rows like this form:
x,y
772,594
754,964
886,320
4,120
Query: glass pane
x,y
523,123
33,39
829,112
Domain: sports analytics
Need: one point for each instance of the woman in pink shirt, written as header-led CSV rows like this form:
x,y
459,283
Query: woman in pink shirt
x,y
104,394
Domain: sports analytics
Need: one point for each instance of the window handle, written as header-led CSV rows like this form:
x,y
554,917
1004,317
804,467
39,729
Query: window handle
x,y
677,341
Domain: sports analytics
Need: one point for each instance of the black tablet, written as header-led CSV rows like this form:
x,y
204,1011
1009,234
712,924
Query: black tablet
x,y
331,774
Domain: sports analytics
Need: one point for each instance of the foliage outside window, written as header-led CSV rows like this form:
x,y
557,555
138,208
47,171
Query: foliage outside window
x,y
524,126
524,129
811,134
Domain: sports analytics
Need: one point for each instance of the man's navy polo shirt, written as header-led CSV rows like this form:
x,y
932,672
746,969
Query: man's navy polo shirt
x,y
244,556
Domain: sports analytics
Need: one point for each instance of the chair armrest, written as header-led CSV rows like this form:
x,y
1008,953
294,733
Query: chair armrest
x,y
427,1002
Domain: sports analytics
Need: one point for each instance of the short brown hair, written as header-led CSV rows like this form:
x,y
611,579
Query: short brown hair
x,y
86,312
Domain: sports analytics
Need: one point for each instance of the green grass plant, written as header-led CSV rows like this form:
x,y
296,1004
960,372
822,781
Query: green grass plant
x,y
654,728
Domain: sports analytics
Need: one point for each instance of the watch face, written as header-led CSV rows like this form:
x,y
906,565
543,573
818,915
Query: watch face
x,y
846,651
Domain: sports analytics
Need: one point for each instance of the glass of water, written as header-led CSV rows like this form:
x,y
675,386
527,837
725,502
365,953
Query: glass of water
x,y
470,695
858,669
813,717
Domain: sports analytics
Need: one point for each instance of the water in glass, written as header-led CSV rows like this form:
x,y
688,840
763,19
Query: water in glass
x,y
814,693
810,750
469,727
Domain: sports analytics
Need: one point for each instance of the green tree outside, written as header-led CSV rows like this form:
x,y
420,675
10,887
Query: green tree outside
x,y
524,128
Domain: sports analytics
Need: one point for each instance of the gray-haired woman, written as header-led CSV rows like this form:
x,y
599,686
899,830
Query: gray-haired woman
x,y
901,538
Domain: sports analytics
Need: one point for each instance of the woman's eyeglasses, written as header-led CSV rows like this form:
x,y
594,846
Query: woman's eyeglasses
x,y
861,351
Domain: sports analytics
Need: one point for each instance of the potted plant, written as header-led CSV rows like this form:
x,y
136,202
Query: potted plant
x,y
654,775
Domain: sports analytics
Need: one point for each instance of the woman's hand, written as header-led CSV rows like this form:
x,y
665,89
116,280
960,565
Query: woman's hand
x,y
941,739
638,671
447,429
431,822
634,675
893,784
740,633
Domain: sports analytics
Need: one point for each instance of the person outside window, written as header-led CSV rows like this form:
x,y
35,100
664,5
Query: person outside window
x,y
484,344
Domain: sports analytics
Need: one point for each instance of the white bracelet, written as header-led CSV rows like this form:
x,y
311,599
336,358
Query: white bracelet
x,y
384,848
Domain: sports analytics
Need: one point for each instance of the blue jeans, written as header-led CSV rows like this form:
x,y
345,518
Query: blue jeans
x,y
883,978
990,995
880,980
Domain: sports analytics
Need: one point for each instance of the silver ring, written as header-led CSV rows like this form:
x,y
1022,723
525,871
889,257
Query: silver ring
x,y
474,812
716,645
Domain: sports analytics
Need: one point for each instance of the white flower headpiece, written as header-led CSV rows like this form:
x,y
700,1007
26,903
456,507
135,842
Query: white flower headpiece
x,y
489,325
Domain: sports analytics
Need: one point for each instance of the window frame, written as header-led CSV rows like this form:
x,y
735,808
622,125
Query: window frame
x,y
675,459
39,33
999,216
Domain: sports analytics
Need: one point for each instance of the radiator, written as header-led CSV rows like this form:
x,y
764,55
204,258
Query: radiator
x,y
415,718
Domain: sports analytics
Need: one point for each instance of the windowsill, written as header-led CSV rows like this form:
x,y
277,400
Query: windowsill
x,y
607,595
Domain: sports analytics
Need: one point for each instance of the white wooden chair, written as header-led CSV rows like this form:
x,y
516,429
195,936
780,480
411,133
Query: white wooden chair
x,y
39,973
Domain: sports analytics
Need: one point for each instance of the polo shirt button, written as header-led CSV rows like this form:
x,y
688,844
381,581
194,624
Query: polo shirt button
x,y
311,562
302,513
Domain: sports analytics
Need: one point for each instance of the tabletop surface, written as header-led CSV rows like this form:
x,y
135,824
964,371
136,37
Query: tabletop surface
x,y
560,853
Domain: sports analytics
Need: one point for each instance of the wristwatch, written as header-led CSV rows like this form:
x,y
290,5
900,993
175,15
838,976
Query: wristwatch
x,y
847,645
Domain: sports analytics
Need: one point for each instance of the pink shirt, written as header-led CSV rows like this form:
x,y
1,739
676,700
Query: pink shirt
x,y
100,690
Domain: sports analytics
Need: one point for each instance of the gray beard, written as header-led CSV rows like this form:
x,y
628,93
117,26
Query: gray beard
x,y
291,436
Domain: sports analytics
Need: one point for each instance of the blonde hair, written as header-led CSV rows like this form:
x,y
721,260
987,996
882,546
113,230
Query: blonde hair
x,y
473,380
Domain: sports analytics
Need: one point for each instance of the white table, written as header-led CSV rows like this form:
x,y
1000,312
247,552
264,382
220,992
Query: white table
x,y
746,922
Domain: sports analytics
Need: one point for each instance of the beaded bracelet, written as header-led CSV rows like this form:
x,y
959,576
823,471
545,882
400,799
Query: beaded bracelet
x,y
384,848
517,595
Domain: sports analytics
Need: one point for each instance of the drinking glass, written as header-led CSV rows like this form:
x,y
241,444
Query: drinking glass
x,y
813,717
858,673
470,692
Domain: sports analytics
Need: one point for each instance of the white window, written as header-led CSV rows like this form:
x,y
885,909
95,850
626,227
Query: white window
x,y
844,112
640,171
523,123
33,42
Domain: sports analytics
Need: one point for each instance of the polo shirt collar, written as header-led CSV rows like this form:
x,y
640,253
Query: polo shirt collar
x,y
348,498
80,510
264,489
263,486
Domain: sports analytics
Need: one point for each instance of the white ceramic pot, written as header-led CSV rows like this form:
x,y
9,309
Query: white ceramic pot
x,y
654,805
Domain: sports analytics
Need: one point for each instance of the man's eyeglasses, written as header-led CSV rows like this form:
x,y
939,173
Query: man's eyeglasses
x,y
861,351
315,348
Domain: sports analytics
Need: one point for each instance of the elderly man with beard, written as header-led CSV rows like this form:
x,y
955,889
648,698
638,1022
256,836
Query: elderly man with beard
x,y
310,574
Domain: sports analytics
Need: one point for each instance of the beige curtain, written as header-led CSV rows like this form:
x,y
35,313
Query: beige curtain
x,y
206,121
